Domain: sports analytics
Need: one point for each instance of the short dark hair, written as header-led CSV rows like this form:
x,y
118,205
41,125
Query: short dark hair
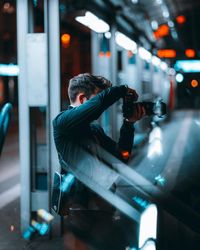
x,y
87,84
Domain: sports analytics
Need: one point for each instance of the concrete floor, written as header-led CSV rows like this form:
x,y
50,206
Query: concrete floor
x,y
173,154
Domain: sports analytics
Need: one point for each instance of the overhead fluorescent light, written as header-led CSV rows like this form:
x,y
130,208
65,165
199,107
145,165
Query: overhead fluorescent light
x,y
156,61
188,66
145,54
148,226
9,70
125,42
93,22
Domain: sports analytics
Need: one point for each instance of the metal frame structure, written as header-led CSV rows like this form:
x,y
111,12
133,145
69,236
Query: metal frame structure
x,y
31,200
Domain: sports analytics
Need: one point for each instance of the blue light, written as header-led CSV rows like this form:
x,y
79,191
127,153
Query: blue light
x,y
44,227
28,233
188,66
67,182
160,179
143,203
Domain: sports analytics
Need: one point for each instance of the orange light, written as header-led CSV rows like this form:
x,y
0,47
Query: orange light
x,y
194,83
125,154
65,39
180,19
101,53
162,30
166,53
130,53
108,54
190,53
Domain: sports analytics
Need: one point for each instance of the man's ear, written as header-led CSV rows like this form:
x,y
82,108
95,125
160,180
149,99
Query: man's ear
x,y
81,98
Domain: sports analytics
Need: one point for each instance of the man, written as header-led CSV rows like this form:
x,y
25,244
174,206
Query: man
x,y
77,137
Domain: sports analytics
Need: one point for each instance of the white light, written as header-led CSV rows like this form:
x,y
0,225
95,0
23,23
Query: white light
x,y
135,1
188,66
166,13
163,66
154,25
158,1
171,72
125,42
108,35
155,149
144,54
9,70
148,225
156,133
156,61
93,22
171,24
179,77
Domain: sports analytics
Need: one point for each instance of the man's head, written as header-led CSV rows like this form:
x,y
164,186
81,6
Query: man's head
x,y
84,86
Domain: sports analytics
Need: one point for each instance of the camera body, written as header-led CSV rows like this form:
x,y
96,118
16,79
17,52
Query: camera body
x,y
157,108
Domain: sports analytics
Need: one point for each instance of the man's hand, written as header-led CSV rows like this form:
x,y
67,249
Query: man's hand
x,y
133,93
138,113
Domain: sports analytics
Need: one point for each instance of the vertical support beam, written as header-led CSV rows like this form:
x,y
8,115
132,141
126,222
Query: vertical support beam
x,y
24,128
113,50
94,52
53,31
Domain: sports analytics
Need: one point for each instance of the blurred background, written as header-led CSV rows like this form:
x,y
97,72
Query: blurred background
x,y
153,47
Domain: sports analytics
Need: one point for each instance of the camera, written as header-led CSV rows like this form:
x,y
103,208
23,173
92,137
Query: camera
x,y
157,108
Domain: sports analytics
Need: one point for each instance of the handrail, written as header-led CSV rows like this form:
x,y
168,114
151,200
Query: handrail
x,y
5,116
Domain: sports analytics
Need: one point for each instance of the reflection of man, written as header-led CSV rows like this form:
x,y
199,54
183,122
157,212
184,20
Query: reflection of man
x,y
75,132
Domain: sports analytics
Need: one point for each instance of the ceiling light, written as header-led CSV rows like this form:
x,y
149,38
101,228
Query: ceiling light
x,y
108,35
166,13
125,42
171,72
163,66
179,77
93,22
144,54
156,61
158,1
154,25
171,24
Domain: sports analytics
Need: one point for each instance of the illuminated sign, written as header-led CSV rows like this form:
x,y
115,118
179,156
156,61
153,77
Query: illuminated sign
x,y
188,66
166,53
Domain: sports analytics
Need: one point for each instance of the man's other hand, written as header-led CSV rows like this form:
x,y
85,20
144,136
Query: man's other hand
x,y
138,113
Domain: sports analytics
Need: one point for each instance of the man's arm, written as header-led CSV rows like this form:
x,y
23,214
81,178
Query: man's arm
x,y
89,111
122,149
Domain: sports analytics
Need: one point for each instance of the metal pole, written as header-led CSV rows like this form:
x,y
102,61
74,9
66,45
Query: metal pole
x,y
53,31
24,129
113,50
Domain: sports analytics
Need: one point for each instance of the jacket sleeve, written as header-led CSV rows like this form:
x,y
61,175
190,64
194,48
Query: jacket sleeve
x,y
122,149
78,117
